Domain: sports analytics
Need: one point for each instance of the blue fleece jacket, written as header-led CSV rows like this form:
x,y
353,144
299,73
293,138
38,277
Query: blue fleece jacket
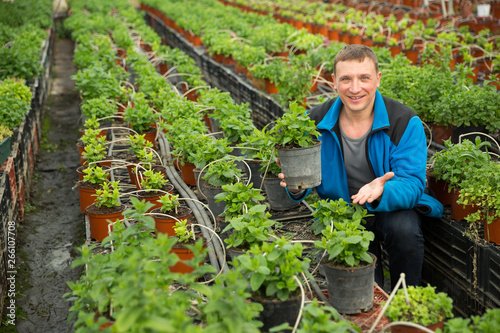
x,y
396,143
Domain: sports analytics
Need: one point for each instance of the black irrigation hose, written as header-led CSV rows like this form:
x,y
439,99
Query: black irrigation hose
x,y
217,258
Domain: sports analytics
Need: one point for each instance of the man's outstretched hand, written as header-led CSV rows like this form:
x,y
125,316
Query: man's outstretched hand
x,y
372,191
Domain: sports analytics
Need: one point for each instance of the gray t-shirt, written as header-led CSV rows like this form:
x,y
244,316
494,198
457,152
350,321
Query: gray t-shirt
x,y
356,163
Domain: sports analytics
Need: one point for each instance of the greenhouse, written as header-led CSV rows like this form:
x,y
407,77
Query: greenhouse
x,y
250,166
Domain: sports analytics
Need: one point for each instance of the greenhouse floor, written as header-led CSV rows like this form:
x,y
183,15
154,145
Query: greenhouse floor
x,y
52,227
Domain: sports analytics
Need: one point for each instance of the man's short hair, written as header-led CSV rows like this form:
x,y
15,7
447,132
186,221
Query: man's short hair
x,y
355,52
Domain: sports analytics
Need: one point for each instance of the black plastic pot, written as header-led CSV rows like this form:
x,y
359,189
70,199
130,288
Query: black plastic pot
x,y
277,312
277,196
350,288
210,192
301,166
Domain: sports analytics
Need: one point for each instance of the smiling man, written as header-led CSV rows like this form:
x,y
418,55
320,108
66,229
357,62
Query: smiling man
x,y
374,153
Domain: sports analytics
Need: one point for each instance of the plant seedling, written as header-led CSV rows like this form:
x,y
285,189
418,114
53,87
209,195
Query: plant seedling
x,y
169,203
108,195
95,175
153,180
184,233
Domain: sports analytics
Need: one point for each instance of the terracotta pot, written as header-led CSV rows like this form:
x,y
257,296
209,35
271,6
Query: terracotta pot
x,y
344,37
151,135
333,35
367,42
86,194
184,255
460,212
271,87
408,329
153,196
440,189
239,69
412,55
259,83
492,231
165,225
395,50
99,222
188,174
134,178
441,133
354,39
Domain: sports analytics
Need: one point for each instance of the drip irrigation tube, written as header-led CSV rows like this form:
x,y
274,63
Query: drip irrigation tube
x,y
217,258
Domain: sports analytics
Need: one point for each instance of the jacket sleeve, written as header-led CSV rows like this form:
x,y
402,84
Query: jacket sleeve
x,y
408,161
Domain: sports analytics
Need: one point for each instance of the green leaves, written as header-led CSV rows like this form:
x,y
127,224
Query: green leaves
x,y
271,268
108,195
344,238
252,227
425,306
295,128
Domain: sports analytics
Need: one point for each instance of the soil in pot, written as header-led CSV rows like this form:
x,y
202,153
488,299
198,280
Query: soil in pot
x,y
98,220
165,224
301,166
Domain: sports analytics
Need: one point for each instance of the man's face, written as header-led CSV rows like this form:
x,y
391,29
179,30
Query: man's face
x,y
356,83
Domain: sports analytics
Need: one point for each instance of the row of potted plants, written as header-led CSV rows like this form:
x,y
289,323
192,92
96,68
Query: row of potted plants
x,y
22,37
436,104
86,306
469,183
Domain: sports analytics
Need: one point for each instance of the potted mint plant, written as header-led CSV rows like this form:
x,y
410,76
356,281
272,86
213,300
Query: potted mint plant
x,y
349,267
170,212
153,186
423,306
270,269
106,207
295,138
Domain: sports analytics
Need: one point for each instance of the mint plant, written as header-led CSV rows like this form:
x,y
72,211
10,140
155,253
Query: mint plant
x,y
99,107
347,241
328,211
425,306
108,195
138,143
140,116
295,128
184,233
169,203
457,160
239,198
94,152
222,172
252,227
271,268
95,175
153,180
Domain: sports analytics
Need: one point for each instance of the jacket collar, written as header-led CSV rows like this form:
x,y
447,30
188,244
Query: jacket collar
x,y
381,119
